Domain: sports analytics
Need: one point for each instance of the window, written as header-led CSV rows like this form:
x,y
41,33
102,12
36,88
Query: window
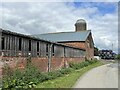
x,y
29,45
20,44
53,51
9,43
38,53
3,43
38,47
46,49
64,52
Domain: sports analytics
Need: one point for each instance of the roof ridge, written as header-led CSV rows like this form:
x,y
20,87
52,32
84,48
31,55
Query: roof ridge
x,y
57,32
67,36
62,32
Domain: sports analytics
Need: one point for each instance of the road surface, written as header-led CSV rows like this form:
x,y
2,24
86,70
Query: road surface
x,y
105,76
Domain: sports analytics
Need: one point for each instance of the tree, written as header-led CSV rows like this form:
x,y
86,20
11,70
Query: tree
x,y
96,51
118,56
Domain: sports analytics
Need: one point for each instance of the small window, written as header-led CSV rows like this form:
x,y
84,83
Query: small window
x,y
9,44
38,47
53,51
20,44
64,52
3,43
29,45
47,49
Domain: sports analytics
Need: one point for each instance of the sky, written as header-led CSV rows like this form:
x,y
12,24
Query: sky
x,y
49,17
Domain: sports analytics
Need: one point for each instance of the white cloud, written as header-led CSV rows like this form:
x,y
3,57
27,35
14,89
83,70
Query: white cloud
x,y
59,0
34,18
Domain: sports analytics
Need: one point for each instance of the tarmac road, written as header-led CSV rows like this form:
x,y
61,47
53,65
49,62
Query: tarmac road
x,y
105,76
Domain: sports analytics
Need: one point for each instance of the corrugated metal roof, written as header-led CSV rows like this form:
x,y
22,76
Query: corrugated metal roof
x,y
65,36
36,38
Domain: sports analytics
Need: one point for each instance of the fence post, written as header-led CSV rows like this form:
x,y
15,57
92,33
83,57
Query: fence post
x,y
49,57
29,59
64,57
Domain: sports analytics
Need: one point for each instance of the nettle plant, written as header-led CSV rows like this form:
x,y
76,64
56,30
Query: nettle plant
x,y
26,78
30,76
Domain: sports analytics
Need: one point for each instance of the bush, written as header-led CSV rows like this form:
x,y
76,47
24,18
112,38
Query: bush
x,y
58,73
31,76
27,78
66,70
53,75
82,64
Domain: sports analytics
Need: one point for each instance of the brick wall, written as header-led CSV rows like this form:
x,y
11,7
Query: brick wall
x,y
58,63
76,44
83,45
40,63
89,51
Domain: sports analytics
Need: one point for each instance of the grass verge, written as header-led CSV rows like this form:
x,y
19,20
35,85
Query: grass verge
x,y
68,80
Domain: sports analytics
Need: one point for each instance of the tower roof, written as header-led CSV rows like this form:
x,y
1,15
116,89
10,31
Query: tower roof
x,y
80,21
65,36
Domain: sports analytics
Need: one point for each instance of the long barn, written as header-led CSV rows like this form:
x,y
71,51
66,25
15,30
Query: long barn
x,y
47,51
47,55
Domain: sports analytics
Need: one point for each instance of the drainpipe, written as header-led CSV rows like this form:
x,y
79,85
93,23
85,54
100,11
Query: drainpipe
x,y
49,57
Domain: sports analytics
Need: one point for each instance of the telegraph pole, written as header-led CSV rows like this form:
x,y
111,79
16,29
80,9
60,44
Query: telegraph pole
x,y
112,46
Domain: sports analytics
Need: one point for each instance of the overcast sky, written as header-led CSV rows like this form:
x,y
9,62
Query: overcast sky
x,y
39,17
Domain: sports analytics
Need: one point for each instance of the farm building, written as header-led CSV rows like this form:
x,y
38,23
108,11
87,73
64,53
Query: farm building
x,y
47,51
81,38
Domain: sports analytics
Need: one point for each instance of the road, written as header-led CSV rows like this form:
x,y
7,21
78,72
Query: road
x,y
105,76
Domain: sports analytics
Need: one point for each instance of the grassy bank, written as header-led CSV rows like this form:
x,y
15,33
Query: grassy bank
x,y
68,80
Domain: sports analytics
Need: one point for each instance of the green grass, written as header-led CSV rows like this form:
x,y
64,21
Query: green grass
x,y
69,80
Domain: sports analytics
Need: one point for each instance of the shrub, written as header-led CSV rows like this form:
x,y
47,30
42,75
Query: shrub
x,y
22,78
58,73
53,75
82,64
31,76
66,70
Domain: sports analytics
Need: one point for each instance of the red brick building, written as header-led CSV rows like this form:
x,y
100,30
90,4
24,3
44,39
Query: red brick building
x,y
47,51
16,50
81,38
